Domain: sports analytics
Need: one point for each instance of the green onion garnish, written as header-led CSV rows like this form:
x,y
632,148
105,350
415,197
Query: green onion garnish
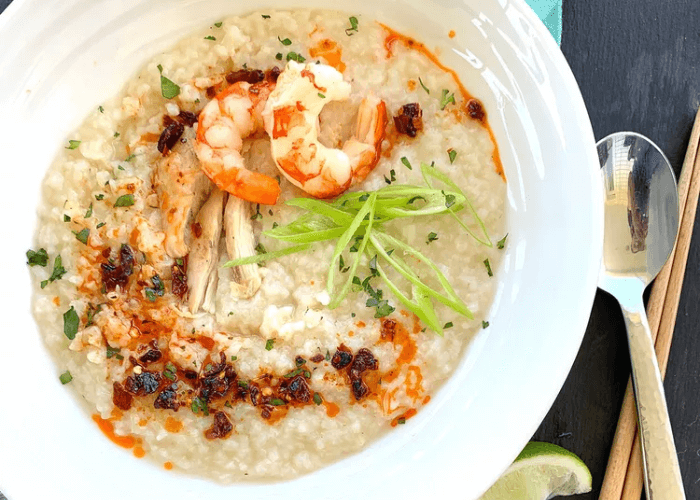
x,y
357,220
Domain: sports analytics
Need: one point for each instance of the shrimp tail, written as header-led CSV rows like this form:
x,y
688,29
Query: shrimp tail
x,y
247,185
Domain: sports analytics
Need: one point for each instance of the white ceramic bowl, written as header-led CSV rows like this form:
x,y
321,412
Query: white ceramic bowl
x,y
61,58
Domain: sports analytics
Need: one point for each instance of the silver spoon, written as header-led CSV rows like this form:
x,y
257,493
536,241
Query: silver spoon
x,y
641,225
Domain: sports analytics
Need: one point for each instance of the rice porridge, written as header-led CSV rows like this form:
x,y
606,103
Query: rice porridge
x,y
354,188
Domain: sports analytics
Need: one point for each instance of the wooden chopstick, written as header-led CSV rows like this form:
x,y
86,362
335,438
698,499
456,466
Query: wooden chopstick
x,y
624,477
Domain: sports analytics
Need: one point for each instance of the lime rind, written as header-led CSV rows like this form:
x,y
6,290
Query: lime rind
x,y
542,471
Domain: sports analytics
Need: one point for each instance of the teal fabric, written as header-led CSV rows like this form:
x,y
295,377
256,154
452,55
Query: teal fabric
x,y
550,13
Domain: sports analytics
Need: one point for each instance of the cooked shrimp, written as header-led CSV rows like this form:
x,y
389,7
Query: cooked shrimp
x,y
291,120
233,115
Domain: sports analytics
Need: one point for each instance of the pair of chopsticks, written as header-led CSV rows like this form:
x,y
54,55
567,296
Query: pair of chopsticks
x,y
624,476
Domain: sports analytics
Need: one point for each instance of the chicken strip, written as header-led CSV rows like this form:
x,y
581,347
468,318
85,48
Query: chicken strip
x,y
240,242
204,251
182,189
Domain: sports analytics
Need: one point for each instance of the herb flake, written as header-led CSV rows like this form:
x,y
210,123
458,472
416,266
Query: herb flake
x,y
432,237
286,42
168,88
125,200
423,85
452,154
269,344
353,26
73,144
65,377
82,236
487,264
38,258
406,163
446,98
71,321
501,244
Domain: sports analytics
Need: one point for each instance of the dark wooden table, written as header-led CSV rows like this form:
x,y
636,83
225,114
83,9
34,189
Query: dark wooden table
x,y
638,65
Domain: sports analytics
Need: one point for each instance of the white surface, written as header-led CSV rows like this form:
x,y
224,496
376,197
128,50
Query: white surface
x,y
62,58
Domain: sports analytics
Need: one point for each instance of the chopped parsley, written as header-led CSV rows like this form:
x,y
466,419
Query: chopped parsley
x,y
446,98
276,402
392,177
99,197
170,371
65,377
199,404
66,218
501,243
114,352
73,144
488,267
88,214
234,358
432,237
484,324
265,16
449,200
38,258
293,373
452,154
447,325
376,300
279,56
260,248
286,42
243,383
82,236
353,26
321,95
92,310
168,88
269,344
257,214
157,290
100,109
210,38
116,134
70,323
406,163
341,265
293,56
317,399
125,200
101,224
401,420
219,24
423,85
373,266
130,157
57,273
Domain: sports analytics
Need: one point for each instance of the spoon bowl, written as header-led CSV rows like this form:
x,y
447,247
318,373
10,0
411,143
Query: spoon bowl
x,y
641,208
641,226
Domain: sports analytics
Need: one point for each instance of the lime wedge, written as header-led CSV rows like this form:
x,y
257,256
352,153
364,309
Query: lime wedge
x,y
540,472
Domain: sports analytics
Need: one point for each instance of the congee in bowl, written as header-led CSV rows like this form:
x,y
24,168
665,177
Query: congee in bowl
x,y
272,247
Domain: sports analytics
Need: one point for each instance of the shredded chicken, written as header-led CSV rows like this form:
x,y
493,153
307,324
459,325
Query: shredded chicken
x,y
204,252
182,189
240,242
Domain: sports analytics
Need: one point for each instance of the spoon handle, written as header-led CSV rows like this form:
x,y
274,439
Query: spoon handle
x,y
662,474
